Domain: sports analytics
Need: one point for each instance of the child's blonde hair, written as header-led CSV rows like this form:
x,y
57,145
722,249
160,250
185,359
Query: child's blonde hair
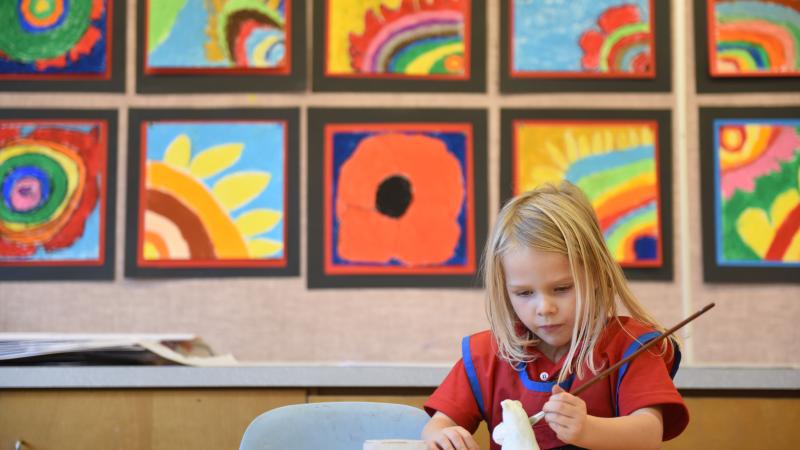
x,y
557,219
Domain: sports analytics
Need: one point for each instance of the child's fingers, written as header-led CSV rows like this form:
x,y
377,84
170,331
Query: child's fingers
x,y
564,398
455,439
555,421
443,443
468,439
560,394
560,407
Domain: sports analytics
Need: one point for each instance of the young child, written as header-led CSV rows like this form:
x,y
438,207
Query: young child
x,y
554,295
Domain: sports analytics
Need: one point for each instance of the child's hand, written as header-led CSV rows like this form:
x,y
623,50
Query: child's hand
x,y
452,438
566,415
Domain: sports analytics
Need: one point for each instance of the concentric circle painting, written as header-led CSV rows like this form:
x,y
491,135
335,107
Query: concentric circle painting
x,y
55,184
61,40
398,199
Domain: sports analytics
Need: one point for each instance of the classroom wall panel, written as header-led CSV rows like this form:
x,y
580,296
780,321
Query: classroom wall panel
x,y
279,319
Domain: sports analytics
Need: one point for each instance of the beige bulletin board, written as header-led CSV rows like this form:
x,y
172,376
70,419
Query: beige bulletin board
x,y
279,319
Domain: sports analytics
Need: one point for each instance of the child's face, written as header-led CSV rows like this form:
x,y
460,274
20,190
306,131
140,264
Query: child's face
x,y
542,293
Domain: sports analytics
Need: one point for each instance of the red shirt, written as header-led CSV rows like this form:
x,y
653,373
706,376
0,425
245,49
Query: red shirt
x,y
480,380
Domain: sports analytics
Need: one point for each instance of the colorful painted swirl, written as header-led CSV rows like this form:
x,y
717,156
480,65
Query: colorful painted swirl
x,y
615,165
417,38
623,43
49,182
49,33
760,190
757,36
250,33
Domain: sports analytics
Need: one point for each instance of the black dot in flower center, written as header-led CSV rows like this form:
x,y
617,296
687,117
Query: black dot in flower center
x,y
394,196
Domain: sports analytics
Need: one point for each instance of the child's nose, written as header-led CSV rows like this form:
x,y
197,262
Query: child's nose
x,y
545,307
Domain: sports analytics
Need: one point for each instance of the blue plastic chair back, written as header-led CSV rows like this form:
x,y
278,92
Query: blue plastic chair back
x,y
332,426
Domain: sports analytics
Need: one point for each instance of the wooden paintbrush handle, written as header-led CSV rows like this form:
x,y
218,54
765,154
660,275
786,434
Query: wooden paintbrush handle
x,y
666,333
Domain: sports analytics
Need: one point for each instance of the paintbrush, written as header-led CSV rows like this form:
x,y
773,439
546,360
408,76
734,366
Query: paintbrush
x,y
538,416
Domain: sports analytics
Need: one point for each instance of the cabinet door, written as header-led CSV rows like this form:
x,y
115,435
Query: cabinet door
x,y
51,420
134,419
211,419
738,422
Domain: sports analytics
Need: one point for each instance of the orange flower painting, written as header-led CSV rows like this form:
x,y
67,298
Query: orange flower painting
x,y
398,199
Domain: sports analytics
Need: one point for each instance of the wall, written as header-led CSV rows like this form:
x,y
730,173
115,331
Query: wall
x,y
280,320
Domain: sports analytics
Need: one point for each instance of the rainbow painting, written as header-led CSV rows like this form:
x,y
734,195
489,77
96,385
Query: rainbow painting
x,y
218,36
581,38
212,193
757,173
54,180
614,162
754,38
426,39
55,39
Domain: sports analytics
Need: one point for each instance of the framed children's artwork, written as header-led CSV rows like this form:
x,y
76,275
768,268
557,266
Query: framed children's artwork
x,y
400,45
396,198
750,190
212,193
58,178
620,159
221,45
62,45
585,45
747,45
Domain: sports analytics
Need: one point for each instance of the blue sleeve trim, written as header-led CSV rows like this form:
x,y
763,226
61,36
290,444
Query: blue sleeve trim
x,y
635,345
469,366
676,361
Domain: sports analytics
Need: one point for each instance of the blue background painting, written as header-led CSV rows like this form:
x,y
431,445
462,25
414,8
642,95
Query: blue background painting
x,y
345,144
547,32
264,145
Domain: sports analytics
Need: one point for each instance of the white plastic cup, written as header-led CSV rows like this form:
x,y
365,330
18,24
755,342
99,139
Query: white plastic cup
x,y
394,444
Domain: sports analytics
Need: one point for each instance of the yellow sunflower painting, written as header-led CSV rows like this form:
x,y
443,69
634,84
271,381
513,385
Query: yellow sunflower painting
x,y
213,194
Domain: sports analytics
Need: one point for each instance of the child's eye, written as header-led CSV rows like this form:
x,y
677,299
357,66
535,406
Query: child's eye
x,y
524,293
563,288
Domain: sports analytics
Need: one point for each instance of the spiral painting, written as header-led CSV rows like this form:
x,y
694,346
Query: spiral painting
x,y
51,38
55,211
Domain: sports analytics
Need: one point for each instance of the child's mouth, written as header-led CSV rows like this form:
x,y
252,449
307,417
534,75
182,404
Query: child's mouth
x,y
549,328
